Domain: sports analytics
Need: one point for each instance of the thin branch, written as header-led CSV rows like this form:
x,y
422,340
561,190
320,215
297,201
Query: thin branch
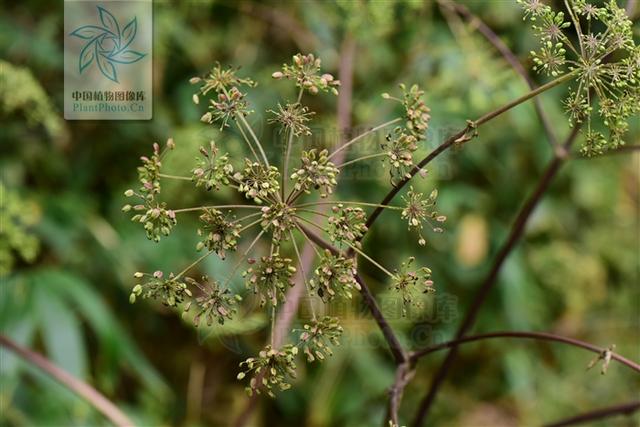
x,y
253,135
397,351
404,374
345,202
462,136
367,157
193,264
509,56
200,208
362,135
303,273
182,178
287,156
541,336
598,414
79,387
517,230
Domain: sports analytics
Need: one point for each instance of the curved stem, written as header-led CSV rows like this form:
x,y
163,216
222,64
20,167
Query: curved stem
x,y
96,399
313,212
193,264
255,138
516,232
183,178
241,259
598,414
367,157
200,208
246,227
311,242
342,202
246,139
509,56
459,136
246,217
395,347
285,172
372,261
304,274
362,135
398,352
541,336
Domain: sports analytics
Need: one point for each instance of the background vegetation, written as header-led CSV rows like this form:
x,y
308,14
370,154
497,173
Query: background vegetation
x,y
67,253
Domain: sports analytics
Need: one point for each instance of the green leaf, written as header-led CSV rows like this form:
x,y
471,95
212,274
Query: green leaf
x,y
113,338
61,333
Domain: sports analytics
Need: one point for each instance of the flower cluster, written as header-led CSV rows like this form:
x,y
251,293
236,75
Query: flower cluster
x,y
317,172
212,170
230,105
156,219
399,147
411,284
258,181
148,173
416,111
305,70
270,369
335,276
605,64
279,219
218,234
403,141
293,118
550,58
347,225
271,192
171,291
215,302
219,80
418,210
317,336
271,278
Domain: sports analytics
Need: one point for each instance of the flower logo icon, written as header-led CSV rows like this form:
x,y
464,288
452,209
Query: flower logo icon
x,y
107,45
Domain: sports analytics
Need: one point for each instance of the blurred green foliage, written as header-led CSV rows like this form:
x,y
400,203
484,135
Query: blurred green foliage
x,y
575,273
